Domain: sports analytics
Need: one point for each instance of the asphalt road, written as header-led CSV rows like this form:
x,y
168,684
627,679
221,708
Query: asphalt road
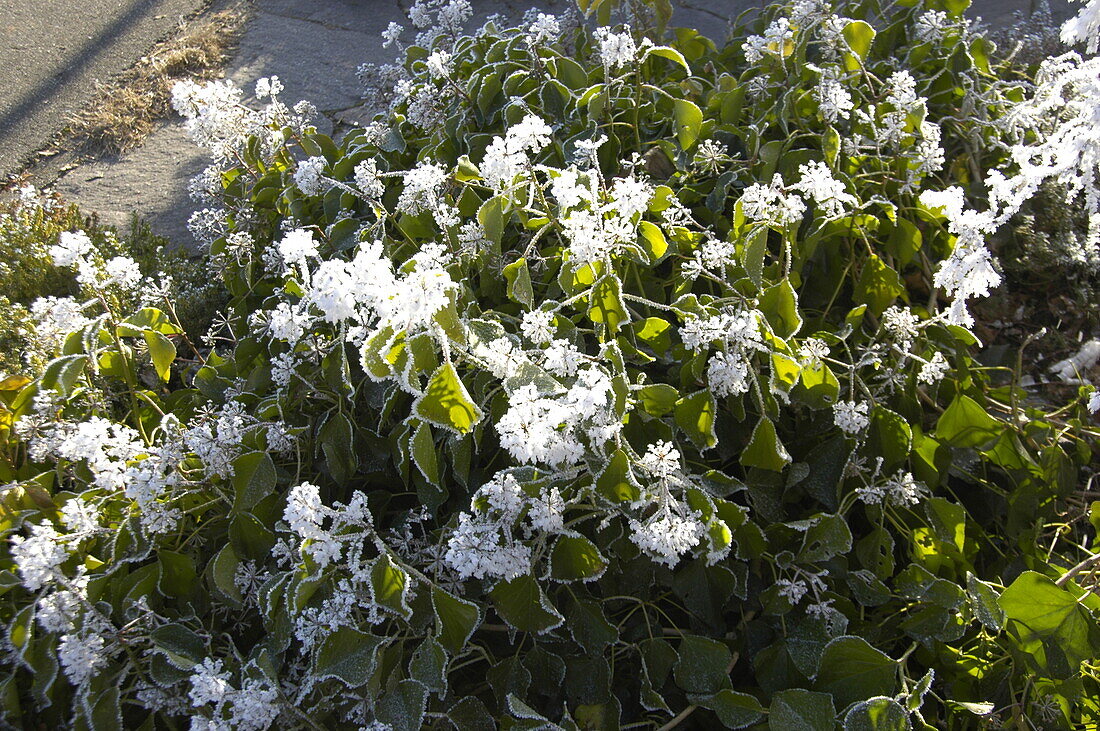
x,y
53,51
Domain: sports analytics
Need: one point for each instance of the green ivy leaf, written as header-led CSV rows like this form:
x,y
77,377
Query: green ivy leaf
x,y
61,374
177,573
423,452
652,240
877,714
491,218
518,277
689,120
253,479
429,666
657,399
828,536
147,318
1049,624
575,558
588,626
162,352
336,440
403,706
347,655
616,482
798,709
455,619
223,571
703,667
966,424
878,286
390,586
522,604
734,710
671,54
851,670
179,643
780,306
985,601
819,387
606,304
695,415
446,403
756,247
764,449
858,34
890,436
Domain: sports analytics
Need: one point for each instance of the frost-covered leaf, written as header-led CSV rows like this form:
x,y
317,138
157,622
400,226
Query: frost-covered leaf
x,y
764,449
695,415
455,619
253,479
429,666
403,706
735,710
703,667
522,604
347,655
390,586
447,403
984,601
575,558
801,710
877,714
851,670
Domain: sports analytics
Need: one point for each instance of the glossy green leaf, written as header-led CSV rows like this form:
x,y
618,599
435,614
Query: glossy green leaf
x,y
966,424
877,714
455,619
695,415
689,120
390,586
446,402
522,604
764,449
575,558
518,279
801,710
347,655
852,670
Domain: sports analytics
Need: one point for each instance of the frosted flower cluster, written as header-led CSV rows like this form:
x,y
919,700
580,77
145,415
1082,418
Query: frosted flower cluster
x,y
667,536
850,416
900,490
507,156
770,203
616,50
818,183
968,272
483,544
254,707
776,42
308,176
1084,27
554,429
833,98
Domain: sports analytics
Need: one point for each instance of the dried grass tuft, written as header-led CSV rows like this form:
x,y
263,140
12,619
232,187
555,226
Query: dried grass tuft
x,y
123,112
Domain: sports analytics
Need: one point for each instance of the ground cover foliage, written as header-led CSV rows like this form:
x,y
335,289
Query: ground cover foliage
x,y
612,378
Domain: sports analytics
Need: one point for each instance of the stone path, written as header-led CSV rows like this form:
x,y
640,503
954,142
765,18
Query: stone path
x,y
53,52
315,48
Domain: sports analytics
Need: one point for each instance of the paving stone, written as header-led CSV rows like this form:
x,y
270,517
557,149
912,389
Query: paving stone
x,y
313,61
150,180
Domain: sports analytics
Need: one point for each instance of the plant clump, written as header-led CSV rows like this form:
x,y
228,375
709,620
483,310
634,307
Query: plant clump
x,y
610,378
